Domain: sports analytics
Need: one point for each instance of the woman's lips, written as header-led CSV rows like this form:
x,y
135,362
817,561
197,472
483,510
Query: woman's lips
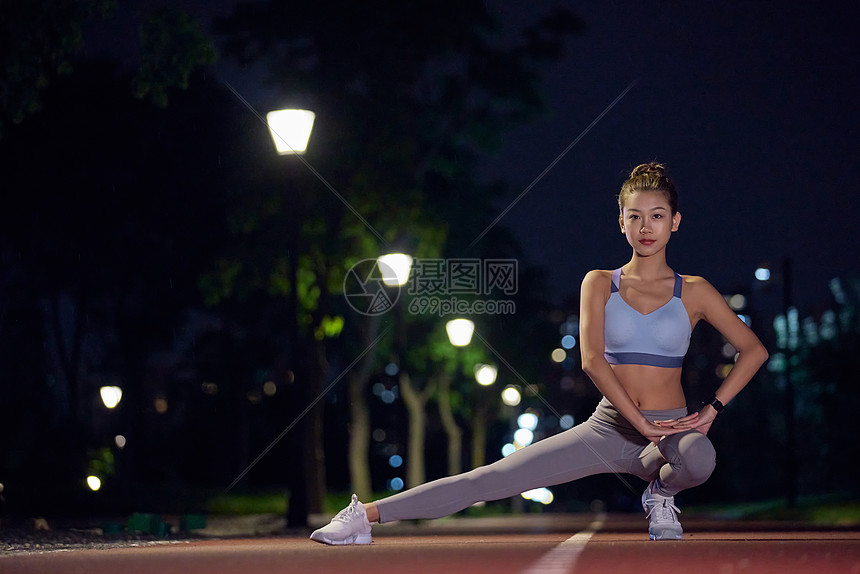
x,y
646,241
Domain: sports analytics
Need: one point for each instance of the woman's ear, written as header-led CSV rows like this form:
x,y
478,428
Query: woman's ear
x,y
676,220
621,221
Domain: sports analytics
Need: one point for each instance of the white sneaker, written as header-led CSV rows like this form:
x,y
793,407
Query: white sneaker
x,y
661,513
350,526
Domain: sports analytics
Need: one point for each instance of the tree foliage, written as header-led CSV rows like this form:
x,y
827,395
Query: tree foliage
x,y
42,41
407,97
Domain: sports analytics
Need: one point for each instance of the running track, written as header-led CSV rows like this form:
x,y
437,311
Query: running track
x,y
591,544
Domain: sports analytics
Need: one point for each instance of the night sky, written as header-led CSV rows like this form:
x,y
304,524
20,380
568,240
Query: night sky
x,y
752,105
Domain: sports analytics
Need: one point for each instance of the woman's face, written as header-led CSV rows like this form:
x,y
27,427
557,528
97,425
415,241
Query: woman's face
x,y
647,221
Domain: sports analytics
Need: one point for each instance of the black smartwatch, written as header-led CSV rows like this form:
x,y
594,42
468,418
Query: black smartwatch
x,y
715,402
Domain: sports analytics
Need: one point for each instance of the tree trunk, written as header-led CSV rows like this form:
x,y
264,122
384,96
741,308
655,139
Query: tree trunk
x,y
315,470
359,440
69,348
359,416
297,509
479,435
452,429
415,402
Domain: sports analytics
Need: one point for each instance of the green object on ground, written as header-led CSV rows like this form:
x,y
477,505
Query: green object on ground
x,y
189,522
148,523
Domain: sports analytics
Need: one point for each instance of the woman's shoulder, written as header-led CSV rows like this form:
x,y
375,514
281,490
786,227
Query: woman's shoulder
x,y
699,289
597,284
597,277
696,283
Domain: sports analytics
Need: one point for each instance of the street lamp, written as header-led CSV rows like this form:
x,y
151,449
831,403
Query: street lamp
x,y
291,130
511,396
110,396
395,268
460,331
485,374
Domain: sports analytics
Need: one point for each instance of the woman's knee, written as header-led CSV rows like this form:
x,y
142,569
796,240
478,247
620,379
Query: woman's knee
x,y
699,455
694,453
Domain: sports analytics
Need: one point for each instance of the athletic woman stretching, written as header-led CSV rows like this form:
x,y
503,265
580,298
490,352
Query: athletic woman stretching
x,y
635,325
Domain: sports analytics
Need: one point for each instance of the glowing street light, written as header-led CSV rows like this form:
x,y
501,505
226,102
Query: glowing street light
x,y
111,396
460,331
762,274
511,396
395,268
485,374
291,130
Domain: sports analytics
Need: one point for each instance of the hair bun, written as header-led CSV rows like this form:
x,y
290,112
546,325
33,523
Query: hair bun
x,y
652,168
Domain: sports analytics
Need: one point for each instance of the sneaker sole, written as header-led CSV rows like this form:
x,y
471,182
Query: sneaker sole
x,y
666,536
357,539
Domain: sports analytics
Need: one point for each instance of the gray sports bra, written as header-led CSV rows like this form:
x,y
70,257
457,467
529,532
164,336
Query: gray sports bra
x,y
660,338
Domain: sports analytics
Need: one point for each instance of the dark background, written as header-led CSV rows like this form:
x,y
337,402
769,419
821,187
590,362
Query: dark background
x,y
122,216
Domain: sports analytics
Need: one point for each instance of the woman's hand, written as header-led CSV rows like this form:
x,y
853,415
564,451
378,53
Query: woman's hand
x,y
701,421
657,430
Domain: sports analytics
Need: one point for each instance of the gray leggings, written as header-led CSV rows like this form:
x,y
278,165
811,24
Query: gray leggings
x,y
604,443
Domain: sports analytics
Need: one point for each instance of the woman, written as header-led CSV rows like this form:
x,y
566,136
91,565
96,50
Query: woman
x,y
635,325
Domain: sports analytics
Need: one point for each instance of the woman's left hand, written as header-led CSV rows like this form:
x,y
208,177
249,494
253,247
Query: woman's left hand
x,y
700,421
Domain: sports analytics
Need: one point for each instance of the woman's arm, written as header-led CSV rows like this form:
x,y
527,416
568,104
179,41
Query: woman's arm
x,y
592,303
711,307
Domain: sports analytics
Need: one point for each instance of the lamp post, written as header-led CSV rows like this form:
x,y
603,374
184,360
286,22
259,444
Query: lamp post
x,y
786,344
290,130
485,375
459,335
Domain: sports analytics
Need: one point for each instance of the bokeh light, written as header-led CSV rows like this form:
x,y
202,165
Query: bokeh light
x,y
528,421
511,396
523,437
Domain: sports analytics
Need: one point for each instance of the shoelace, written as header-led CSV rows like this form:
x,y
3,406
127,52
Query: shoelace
x,y
347,514
664,511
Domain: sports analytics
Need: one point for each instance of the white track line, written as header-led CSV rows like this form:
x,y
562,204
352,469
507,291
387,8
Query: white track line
x,y
562,559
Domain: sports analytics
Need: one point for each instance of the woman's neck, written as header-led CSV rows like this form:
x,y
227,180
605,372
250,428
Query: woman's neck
x,y
654,267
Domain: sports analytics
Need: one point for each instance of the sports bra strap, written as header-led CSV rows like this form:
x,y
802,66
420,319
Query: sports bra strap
x,y
616,280
616,277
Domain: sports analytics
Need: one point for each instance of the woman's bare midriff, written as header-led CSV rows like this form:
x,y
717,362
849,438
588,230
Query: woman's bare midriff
x,y
652,388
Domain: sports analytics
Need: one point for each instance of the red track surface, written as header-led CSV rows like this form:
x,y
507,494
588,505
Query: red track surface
x,y
719,550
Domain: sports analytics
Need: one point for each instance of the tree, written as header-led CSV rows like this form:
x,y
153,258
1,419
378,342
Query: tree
x,y
40,42
107,239
407,96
